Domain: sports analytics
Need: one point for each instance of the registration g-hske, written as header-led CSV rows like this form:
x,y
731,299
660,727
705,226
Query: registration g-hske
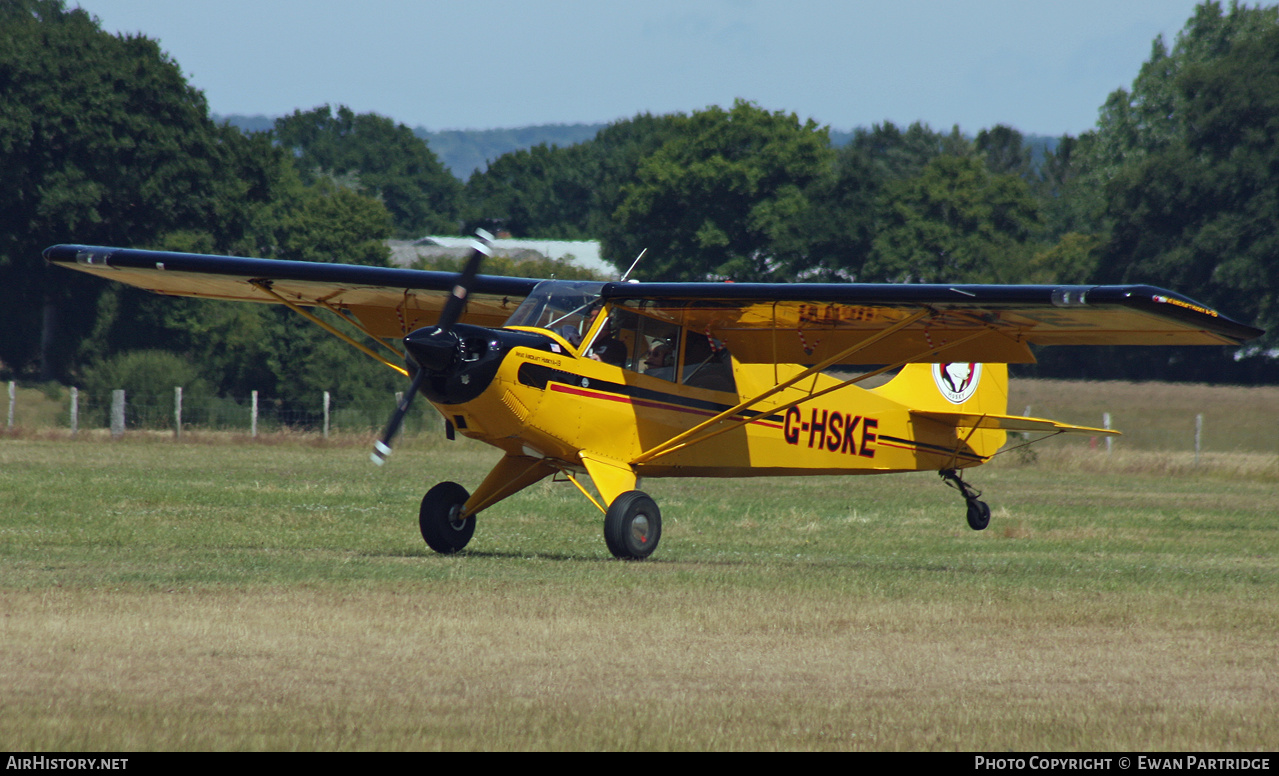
x,y
621,381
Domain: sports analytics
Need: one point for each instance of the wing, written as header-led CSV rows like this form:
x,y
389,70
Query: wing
x,y
870,323
862,323
388,302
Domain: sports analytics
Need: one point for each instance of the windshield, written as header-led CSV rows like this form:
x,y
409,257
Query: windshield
x,y
565,307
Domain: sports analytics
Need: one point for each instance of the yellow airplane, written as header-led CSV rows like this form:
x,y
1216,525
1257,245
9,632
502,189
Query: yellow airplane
x,y
622,381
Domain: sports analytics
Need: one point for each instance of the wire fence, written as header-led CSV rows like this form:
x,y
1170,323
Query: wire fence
x,y
1229,423
82,411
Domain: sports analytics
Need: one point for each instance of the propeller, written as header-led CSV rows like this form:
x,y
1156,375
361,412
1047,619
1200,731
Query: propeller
x,y
434,348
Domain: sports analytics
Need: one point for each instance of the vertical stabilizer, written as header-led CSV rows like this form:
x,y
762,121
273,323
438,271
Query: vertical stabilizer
x,y
968,389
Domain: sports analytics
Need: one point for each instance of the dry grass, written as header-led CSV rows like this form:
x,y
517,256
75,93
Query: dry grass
x,y
1160,416
33,407
1080,459
452,666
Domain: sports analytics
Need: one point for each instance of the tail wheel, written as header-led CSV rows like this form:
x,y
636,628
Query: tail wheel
x,y
978,514
978,511
632,526
440,518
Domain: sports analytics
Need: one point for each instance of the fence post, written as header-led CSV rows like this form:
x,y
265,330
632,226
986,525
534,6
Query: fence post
x,y
177,412
13,398
1106,425
117,413
1199,429
75,410
326,414
253,417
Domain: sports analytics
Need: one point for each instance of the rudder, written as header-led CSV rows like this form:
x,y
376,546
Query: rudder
x,y
971,389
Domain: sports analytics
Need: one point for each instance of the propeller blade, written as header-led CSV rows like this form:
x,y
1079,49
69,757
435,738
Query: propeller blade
x,y
457,300
437,349
382,447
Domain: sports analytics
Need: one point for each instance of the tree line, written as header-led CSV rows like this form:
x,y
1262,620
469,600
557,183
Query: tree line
x,y
103,141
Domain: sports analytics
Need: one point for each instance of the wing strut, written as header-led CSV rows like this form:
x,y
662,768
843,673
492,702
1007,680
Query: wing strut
x,y
355,323
689,437
330,328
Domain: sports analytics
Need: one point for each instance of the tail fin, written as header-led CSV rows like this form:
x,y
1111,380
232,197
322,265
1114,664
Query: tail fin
x,y
958,395
967,388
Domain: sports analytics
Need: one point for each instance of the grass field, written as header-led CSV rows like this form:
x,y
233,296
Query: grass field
x,y
226,595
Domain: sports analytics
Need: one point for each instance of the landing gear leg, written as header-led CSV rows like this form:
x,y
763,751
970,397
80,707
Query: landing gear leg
x,y
978,511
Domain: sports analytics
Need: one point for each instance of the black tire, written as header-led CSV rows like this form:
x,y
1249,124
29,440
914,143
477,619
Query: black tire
x,y
438,521
632,526
978,515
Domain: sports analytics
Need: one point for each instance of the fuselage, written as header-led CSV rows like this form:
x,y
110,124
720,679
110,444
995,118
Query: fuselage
x,y
543,397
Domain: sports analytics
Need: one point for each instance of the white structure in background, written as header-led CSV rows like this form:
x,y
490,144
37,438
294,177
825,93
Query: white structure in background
x,y
584,253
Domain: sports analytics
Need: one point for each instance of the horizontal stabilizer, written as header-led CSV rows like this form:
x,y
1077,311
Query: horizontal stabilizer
x,y
1009,423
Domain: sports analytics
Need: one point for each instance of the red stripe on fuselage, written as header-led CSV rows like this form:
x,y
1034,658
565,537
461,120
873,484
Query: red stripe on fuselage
x,y
645,403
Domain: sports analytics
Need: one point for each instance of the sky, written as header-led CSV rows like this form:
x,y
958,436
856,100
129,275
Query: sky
x,y
1041,66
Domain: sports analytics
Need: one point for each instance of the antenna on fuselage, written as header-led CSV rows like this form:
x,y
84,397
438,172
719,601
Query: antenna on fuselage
x,y
633,263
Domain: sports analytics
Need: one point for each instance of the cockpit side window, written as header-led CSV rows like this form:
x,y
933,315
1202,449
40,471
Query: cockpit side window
x,y
637,342
661,348
615,339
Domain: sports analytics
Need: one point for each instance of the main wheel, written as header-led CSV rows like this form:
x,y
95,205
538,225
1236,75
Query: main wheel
x,y
632,526
978,514
438,518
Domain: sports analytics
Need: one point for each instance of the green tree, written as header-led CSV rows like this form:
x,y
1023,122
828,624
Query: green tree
x,y
1198,215
333,224
566,192
1065,198
840,228
323,222
102,141
831,239
1182,171
1072,260
1152,115
615,155
723,197
305,362
893,154
467,151
543,192
1078,182
147,378
1005,151
955,222
236,346
385,159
